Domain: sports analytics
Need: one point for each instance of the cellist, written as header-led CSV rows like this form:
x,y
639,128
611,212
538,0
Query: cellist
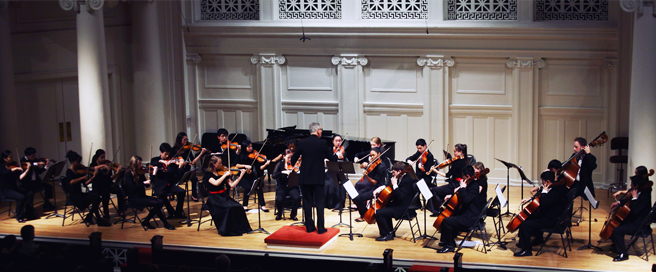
x,y
553,201
640,205
472,197
372,178
402,194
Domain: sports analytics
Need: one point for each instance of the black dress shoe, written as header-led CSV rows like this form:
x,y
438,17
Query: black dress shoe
x,y
388,237
294,218
523,253
309,230
322,231
147,225
169,227
446,249
537,242
278,217
621,257
264,209
20,220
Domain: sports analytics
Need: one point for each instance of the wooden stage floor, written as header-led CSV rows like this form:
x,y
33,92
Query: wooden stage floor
x,y
406,253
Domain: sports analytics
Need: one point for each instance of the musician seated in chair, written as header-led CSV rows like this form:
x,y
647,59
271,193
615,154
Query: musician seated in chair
x,y
165,171
473,196
553,166
373,177
640,203
402,194
453,177
281,174
553,200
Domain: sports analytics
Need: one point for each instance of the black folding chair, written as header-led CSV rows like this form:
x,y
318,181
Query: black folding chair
x,y
410,214
71,213
479,227
8,201
645,232
135,213
563,225
202,194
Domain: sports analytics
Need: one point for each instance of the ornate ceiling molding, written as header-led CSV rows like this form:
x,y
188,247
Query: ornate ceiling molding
x,y
437,62
268,59
349,61
525,63
194,57
637,5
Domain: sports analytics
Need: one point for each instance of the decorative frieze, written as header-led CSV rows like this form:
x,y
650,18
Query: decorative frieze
x,y
435,62
268,59
394,9
524,63
482,10
194,57
348,61
230,9
571,10
310,9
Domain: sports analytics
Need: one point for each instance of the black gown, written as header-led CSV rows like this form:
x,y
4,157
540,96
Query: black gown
x,y
228,215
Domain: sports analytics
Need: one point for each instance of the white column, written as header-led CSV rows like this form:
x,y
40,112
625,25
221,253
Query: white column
x,y
269,96
524,111
8,103
191,95
351,93
150,93
642,112
436,67
92,78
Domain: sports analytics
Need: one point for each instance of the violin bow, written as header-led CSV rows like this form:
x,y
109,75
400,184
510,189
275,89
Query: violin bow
x,y
258,152
90,151
116,153
422,154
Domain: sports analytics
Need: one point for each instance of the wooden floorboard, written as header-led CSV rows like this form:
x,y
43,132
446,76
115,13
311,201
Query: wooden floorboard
x,y
366,248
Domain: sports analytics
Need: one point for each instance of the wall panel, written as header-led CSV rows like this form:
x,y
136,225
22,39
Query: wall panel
x,y
481,81
227,77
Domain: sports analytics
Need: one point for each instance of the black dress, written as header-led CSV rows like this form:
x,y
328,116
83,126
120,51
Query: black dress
x,y
228,215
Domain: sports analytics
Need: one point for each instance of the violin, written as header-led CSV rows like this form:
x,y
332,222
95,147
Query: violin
x,y
192,147
233,171
261,158
454,203
620,212
233,145
14,165
83,170
422,161
338,150
142,170
443,164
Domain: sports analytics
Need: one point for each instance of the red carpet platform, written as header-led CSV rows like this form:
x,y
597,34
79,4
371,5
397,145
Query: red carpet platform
x,y
295,237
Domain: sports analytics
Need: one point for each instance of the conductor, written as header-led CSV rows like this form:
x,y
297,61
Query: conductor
x,y
313,151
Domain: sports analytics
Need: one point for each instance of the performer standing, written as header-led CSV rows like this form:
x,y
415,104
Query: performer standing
x,y
312,177
335,193
32,181
640,205
402,194
136,184
281,174
229,217
10,173
553,200
588,163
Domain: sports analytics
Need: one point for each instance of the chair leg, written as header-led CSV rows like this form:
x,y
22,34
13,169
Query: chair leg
x,y
543,243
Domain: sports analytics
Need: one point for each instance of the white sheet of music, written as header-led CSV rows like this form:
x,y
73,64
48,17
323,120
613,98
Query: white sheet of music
x,y
591,198
502,199
423,188
350,189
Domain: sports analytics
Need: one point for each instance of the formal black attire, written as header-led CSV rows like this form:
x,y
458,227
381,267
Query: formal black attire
x,y
81,200
453,177
249,178
312,178
218,148
421,169
165,184
283,190
136,192
335,193
473,202
640,207
104,187
552,205
400,200
588,163
9,190
229,217
189,157
366,189
32,181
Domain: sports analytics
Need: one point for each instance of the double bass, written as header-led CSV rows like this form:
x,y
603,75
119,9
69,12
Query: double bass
x,y
454,203
619,213
570,168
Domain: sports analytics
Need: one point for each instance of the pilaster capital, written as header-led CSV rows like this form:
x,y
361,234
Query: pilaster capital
x,y
195,57
349,61
268,59
637,5
435,61
525,63
92,5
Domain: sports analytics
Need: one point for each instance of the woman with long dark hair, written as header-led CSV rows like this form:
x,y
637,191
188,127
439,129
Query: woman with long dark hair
x,y
10,173
228,215
77,176
135,184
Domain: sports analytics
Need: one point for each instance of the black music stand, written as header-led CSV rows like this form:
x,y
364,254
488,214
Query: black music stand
x,y
521,173
425,201
256,185
292,181
589,196
499,228
54,171
185,179
338,171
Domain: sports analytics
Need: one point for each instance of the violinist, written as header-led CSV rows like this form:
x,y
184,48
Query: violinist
x,y
587,163
104,185
229,217
453,177
76,177
640,199
281,174
423,162
402,194
224,145
31,180
135,188
336,194
374,142
185,149
472,197
165,171
373,177
249,160
10,173
553,200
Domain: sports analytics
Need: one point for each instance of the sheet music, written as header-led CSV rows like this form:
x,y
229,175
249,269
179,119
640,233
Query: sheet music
x,y
350,189
502,199
591,198
423,188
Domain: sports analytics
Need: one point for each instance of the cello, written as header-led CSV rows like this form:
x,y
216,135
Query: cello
x,y
381,201
530,208
454,203
620,212
570,168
